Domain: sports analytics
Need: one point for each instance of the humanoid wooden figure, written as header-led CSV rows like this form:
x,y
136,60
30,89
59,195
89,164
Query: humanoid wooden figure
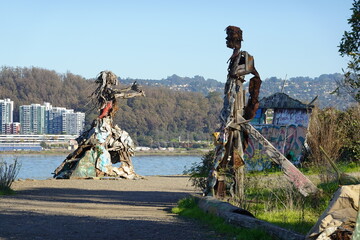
x,y
105,143
226,178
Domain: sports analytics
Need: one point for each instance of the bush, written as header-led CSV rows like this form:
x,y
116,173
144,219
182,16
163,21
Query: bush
x,y
8,173
199,172
351,148
337,132
259,162
326,129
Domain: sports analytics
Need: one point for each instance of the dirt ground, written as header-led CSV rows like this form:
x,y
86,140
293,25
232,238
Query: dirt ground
x,y
99,209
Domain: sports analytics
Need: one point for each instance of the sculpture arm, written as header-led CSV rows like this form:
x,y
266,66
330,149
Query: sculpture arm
x,y
135,87
123,90
123,93
129,95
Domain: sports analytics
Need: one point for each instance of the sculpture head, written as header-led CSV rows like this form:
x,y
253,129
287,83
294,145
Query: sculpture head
x,y
234,37
106,78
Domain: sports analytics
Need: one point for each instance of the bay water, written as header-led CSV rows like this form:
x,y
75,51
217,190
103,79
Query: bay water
x,y
40,167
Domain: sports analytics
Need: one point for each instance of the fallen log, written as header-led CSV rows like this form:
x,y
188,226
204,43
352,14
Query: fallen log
x,y
240,217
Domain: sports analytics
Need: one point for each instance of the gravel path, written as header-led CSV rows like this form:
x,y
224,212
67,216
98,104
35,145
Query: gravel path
x,y
99,209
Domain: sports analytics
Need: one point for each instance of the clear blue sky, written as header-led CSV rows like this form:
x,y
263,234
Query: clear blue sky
x,y
155,39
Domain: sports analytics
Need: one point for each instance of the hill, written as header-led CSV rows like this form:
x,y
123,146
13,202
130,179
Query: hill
x,y
174,82
302,88
163,118
25,86
306,89
175,109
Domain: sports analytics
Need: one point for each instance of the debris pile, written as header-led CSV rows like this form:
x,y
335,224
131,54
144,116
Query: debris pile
x,y
339,219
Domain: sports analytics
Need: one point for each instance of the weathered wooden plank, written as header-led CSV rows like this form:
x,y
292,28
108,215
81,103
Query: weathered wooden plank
x,y
299,180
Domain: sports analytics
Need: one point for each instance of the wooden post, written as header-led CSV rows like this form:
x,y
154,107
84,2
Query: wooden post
x,y
239,171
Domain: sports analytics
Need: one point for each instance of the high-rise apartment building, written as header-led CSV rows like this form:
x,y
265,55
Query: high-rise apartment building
x,y
38,116
25,119
74,122
32,119
6,115
55,120
46,119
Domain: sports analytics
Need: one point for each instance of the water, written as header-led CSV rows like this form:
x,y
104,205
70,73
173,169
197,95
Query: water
x,y
38,166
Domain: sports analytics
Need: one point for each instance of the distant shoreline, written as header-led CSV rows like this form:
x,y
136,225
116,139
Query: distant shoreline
x,y
176,152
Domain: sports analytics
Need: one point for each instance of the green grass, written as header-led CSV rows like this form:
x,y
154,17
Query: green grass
x,y
349,167
346,167
6,191
294,220
275,200
269,201
301,217
188,208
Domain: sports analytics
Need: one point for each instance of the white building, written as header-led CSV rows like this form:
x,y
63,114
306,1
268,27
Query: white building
x,y
46,119
25,119
32,119
74,122
6,114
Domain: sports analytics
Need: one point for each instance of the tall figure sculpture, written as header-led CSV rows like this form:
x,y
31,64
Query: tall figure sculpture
x,y
226,178
105,143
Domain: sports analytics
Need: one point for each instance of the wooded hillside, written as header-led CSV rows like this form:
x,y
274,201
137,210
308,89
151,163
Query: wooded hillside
x,y
174,108
163,116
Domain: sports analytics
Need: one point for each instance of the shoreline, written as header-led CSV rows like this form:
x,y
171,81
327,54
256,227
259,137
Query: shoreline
x,y
176,152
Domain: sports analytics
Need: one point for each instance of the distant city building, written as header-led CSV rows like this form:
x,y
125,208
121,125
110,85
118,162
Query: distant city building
x,y
32,119
11,128
25,119
55,120
46,119
15,128
6,115
73,122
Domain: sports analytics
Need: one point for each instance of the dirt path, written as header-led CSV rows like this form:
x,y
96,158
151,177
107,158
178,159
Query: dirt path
x,y
98,209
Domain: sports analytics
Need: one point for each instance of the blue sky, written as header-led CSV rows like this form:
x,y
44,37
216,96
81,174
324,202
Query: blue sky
x,y
155,39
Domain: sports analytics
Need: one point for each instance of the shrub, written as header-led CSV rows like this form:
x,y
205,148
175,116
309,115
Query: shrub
x,y
8,173
351,147
199,172
326,129
259,162
337,132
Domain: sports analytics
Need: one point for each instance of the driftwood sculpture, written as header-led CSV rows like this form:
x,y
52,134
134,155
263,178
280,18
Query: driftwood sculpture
x,y
228,172
105,143
226,179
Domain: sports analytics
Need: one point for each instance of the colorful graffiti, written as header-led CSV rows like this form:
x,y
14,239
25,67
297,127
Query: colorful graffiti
x,y
288,139
291,116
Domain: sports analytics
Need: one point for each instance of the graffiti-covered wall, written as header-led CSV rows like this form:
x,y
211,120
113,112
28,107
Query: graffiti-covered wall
x,y
288,139
291,116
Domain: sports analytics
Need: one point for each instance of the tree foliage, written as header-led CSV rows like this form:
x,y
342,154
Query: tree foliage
x,y
167,116
25,86
349,46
